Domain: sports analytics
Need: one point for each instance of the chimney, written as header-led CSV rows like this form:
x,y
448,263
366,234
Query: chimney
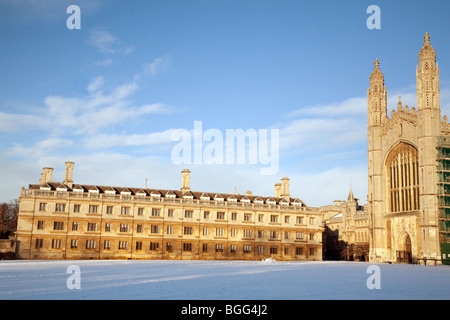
x,y
285,188
277,190
68,178
46,175
185,180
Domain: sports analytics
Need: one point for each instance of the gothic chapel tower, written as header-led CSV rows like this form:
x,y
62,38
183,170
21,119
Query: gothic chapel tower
x,y
402,176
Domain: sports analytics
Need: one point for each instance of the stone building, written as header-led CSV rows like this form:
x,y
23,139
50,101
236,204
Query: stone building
x,y
407,169
63,220
346,234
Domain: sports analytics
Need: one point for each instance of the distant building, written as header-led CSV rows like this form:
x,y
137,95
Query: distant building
x,y
409,170
63,220
346,235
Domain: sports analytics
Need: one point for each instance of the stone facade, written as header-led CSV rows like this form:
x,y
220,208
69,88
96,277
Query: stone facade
x,y
402,167
72,221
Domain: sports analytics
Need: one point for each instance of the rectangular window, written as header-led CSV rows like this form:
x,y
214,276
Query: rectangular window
x,y
273,250
92,226
233,232
58,225
286,235
219,247
60,207
154,246
107,227
311,221
299,220
205,231
188,214
40,225
311,236
247,249
247,233
260,234
169,229
75,226
286,219
273,218
76,207
206,215
154,229
123,245
42,206
125,210
247,217
107,245
93,209
233,248
140,211
138,245
286,250
156,212
234,216
260,218
273,234
109,209
205,247
169,246
187,247
219,232
298,251
170,213
73,244
124,227
260,249
299,235
56,243
187,230
220,215
39,243
139,228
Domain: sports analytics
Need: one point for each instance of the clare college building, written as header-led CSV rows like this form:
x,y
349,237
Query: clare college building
x,y
406,218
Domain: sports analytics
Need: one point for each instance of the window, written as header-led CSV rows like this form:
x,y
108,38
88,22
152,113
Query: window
x,y
107,227
234,216
139,228
233,248
187,246
247,249
138,245
311,220
154,229
311,236
92,226
73,244
109,209
93,209
39,243
260,249
233,232
169,229
247,233
219,247
273,250
260,234
205,247
156,212
286,250
219,232
286,235
60,207
247,217
170,213
123,245
188,213
76,207
273,234
169,246
205,231
42,206
140,211
298,251
58,225
75,226
125,210
299,220
311,251
286,219
260,218
124,227
154,246
402,174
273,218
56,243
220,215
206,215
40,225
299,235
187,230
107,245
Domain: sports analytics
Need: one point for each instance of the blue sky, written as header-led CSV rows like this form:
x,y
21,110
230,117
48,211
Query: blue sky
x,y
109,95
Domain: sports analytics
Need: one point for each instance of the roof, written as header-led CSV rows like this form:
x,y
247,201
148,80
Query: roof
x,y
164,192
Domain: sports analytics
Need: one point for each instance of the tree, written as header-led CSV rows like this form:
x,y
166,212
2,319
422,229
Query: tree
x,y
8,218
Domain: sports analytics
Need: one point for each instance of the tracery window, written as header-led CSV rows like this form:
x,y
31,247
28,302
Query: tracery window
x,y
402,166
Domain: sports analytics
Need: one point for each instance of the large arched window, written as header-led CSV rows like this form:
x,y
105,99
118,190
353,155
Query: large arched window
x,y
402,172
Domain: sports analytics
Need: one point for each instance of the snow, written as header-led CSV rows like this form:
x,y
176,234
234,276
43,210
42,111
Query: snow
x,y
220,280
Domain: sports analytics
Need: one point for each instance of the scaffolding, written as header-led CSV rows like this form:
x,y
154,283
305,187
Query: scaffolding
x,y
443,173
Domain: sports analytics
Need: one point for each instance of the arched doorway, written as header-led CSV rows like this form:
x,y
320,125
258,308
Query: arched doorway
x,y
405,255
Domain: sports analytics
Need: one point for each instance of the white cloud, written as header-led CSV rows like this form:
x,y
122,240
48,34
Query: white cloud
x,y
156,66
103,40
96,84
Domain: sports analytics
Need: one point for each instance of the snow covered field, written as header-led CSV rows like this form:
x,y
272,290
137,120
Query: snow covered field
x,y
218,280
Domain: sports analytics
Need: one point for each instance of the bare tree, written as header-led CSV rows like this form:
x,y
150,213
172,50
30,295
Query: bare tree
x,y
8,218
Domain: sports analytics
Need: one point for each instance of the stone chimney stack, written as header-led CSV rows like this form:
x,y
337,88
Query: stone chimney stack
x,y
46,175
68,178
185,180
285,188
277,190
